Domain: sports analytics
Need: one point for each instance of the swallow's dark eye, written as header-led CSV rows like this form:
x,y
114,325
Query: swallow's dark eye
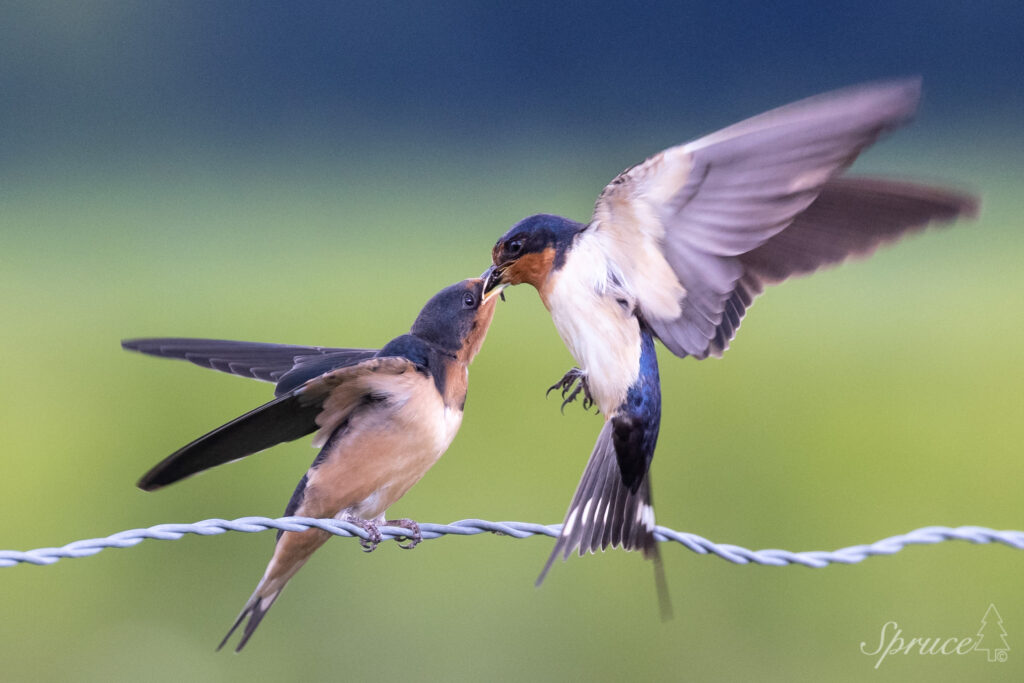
x,y
468,300
514,247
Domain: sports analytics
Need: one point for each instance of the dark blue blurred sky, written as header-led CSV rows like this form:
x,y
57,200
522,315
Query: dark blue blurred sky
x,y
81,79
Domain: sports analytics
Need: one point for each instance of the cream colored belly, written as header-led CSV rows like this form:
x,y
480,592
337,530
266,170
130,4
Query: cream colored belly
x,y
603,337
383,453
602,334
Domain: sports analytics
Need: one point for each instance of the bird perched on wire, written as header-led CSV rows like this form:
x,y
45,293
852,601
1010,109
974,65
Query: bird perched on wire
x,y
677,249
382,418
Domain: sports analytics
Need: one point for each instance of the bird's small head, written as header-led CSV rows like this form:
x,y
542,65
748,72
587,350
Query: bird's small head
x,y
531,250
457,318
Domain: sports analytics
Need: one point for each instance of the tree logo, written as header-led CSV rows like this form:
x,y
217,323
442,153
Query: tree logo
x,y
992,636
990,639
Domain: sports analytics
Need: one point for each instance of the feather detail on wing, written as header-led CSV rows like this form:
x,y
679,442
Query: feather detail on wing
x,y
266,362
320,404
683,226
340,391
284,419
851,218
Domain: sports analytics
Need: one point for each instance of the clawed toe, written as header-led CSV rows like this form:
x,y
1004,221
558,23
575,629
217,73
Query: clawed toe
x,y
571,384
560,384
373,537
588,400
572,397
414,536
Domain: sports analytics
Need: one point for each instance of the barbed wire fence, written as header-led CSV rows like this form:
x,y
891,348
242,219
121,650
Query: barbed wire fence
x,y
469,527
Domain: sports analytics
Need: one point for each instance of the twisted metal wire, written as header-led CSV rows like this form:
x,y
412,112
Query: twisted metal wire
x,y
470,527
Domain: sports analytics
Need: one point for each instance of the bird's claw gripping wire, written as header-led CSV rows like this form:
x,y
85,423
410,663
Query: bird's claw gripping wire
x,y
414,536
373,538
730,553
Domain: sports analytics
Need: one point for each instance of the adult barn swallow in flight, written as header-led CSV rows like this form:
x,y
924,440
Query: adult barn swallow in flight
x,y
382,418
677,249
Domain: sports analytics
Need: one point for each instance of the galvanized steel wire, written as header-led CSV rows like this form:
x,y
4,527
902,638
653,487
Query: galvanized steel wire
x,y
470,527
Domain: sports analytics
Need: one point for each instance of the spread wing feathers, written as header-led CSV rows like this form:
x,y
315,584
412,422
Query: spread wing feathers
x,y
605,512
266,362
851,218
320,404
674,224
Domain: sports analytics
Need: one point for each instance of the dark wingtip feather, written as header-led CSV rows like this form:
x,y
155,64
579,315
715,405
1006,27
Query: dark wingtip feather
x,y
255,360
283,419
148,483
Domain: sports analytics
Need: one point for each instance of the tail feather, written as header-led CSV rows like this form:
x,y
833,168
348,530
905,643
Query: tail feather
x,y
592,535
610,513
604,511
616,509
292,550
255,609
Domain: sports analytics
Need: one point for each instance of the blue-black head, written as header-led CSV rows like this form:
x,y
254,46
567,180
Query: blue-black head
x,y
456,319
531,249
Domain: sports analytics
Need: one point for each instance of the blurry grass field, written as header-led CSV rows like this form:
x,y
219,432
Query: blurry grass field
x,y
857,404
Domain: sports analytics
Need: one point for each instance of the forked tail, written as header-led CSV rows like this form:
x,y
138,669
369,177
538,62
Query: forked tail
x,y
612,505
604,511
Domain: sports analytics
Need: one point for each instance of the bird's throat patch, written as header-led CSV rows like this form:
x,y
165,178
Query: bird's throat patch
x,y
532,268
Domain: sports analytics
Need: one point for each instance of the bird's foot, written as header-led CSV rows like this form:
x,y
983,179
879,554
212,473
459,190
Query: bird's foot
x,y
373,537
571,384
414,536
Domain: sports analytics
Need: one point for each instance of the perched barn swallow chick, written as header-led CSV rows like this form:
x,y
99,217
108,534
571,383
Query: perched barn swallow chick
x,y
382,419
678,248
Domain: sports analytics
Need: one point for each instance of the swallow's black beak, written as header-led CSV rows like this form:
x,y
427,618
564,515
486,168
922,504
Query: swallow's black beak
x,y
492,282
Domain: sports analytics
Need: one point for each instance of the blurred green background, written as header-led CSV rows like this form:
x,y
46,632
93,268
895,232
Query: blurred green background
x,y
313,174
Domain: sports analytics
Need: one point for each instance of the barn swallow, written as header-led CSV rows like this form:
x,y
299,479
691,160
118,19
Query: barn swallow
x,y
382,418
677,249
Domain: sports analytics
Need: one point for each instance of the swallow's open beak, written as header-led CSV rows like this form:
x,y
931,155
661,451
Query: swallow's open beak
x,y
492,282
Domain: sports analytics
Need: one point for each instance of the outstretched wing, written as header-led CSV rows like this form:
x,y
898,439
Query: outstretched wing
x,y
321,404
284,419
682,228
285,364
851,218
